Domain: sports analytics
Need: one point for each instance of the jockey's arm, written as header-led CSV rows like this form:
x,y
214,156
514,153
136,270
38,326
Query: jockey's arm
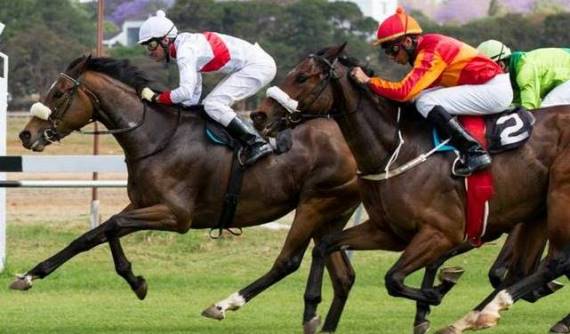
x,y
189,78
529,84
427,69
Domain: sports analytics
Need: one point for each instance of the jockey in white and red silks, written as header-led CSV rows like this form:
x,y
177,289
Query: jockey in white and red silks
x,y
248,67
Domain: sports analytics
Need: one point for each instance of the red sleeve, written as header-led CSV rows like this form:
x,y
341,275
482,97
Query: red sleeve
x,y
427,69
164,98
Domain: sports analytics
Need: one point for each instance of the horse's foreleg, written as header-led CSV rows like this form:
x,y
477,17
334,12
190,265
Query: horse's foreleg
x,y
342,276
124,269
156,217
287,262
426,247
448,277
311,214
366,236
341,273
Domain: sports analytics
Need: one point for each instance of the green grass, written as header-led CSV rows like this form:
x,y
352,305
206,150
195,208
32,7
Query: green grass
x,y
186,273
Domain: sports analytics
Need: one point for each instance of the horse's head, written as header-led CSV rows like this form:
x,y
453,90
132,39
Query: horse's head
x,y
66,107
305,93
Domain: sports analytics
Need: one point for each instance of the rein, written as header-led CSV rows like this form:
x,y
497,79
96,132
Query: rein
x,y
295,116
53,135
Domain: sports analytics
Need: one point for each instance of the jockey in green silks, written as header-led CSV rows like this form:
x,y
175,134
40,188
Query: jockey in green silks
x,y
540,78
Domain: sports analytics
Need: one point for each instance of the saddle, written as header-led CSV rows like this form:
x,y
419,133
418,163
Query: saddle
x,y
218,135
502,132
497,133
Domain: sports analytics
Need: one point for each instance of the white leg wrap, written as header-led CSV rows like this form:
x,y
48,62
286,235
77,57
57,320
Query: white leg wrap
x,y
233,302
502,301
465,323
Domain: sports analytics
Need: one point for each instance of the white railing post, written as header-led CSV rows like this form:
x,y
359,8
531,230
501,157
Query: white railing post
x,y
3,130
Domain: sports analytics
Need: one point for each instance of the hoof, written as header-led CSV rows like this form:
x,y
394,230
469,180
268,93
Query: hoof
x,y
22,283
448,330
422,328
141,288
559,328
312,325
555,286
214,312
486,320
451,274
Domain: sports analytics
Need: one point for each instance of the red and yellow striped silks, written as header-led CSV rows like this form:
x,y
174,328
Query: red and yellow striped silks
x,y
440,61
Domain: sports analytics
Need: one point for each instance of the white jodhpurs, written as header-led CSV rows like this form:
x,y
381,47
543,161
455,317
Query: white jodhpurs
x,y
492,97
559,95
238,86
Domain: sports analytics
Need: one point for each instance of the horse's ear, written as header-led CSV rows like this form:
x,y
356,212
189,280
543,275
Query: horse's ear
x,y
341,47
336,51
83,63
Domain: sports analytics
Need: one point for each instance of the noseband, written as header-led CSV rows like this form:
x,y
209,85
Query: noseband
x,y
296,114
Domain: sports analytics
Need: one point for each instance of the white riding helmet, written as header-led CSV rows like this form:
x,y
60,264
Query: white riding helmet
x,y
494,49
158,26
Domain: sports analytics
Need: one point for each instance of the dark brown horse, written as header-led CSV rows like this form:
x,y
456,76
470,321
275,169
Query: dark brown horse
x,y
177,178
422,212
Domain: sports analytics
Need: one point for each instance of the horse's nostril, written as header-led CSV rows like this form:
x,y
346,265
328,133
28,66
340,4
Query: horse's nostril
x,y
25,136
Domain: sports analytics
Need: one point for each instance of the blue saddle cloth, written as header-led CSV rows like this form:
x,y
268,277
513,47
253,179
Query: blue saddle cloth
x,y
437,140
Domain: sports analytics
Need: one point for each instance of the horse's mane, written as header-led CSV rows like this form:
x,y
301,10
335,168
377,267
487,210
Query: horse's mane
x,y
350,62
120,69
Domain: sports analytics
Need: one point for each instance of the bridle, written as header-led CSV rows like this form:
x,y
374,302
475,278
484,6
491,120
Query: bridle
x,y
52,134
295,116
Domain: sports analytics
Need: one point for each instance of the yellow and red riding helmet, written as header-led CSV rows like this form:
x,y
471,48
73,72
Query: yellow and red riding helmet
x,y
396,26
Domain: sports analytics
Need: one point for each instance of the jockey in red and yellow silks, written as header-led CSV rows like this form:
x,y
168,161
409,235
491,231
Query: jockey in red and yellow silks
x,y
440,61
447,77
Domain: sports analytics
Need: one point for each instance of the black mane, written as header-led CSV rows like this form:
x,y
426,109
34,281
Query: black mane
x,y
120,69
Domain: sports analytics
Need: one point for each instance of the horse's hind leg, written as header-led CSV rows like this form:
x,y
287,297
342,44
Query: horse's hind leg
x,y
310,215
366,236
519,257
557,262
500,267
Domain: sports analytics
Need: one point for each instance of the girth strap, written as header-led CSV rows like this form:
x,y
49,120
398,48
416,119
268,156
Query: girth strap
x,y
231,199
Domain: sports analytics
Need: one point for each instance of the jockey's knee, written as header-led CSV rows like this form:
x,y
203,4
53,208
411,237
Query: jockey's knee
x,y
425,104
219,112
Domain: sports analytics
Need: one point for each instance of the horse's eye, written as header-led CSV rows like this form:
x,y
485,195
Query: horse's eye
x,y
301,78
57,94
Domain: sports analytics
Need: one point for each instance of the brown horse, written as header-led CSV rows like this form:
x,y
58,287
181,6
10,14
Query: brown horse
x,y
423,211
177,178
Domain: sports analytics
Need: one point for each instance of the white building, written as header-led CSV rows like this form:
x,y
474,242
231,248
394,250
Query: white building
x,y
128,36
377,9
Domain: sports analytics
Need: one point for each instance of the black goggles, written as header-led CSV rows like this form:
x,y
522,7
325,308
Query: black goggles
x,y
392,49
152,45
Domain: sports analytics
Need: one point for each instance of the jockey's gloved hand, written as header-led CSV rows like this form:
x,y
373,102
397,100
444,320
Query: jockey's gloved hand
x,y
149,95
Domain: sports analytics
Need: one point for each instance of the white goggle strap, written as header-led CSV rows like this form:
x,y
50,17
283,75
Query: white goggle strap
x,y
283,99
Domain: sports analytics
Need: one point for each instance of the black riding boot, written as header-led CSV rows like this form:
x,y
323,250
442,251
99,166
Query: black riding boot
x,y
473,156
255,146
